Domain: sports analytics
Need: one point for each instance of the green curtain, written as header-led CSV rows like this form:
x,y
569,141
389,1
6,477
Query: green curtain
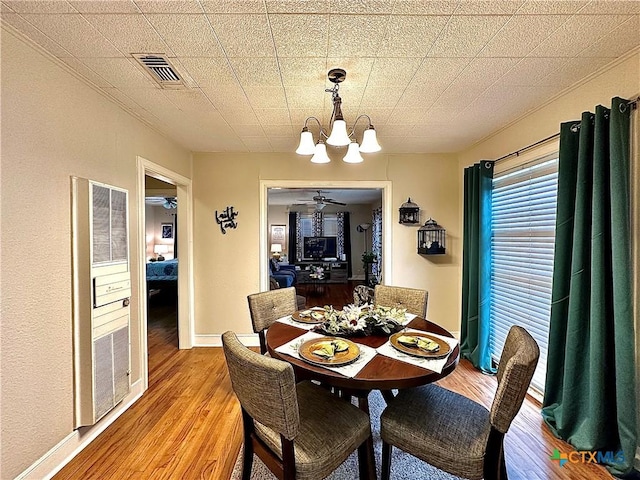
x,y
476,266
589,396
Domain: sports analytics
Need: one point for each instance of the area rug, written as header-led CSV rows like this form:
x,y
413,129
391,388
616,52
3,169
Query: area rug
x,y
403,465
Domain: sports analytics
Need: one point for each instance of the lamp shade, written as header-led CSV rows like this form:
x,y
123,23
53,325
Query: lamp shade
x,y
276,247
339,136
160,249
320,154
370,141
353,154
306,147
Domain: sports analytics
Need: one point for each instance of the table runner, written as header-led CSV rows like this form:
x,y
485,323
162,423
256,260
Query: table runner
x,y
435,364
351,370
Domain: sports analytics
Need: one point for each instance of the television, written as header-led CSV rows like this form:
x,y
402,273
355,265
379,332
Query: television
x,y
320,247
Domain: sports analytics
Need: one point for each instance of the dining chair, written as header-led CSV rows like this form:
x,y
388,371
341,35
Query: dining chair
x,y
362,294
267,307
413,299
454,433
299,431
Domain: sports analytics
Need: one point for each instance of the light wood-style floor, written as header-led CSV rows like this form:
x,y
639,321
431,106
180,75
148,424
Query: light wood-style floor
x,y
188,426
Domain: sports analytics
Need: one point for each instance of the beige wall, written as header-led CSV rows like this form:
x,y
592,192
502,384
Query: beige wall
x,y
53,126
227,267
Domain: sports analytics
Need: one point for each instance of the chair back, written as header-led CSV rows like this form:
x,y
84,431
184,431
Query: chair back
x,y
362,295
413,299
267,307
515,371
265,387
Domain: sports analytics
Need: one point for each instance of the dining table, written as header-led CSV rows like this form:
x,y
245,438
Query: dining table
x,y
379,366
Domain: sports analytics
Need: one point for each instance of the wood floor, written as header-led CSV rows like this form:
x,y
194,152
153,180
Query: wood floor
x,y
187,425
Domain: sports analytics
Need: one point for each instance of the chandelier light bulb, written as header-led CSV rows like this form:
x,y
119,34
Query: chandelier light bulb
x,y
307,145
320,154
339,136
370,141
353,154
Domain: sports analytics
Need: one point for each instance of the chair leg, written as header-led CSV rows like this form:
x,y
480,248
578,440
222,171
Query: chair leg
x,y
387,395
363,458
386,460
247,461
503,467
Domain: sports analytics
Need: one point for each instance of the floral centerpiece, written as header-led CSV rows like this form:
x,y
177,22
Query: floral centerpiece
x,y
360,321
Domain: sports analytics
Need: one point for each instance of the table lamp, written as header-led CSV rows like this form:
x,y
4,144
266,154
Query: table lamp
x,y
160,250
276,249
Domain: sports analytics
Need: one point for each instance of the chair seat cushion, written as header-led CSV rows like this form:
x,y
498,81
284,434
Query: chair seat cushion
x,y
330,429
441,427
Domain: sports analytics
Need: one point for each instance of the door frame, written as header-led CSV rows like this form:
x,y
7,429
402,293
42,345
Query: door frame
x,y
387,240
185,254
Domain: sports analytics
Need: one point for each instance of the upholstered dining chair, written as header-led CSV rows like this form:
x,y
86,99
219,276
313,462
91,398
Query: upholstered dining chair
x,y
267,307
362,294
454,433
413,299
299,431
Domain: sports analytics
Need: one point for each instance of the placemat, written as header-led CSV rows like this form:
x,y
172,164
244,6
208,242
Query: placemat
x,y
351,370
290,321
435,364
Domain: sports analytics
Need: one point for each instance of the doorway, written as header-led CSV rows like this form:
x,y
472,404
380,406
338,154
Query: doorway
x,y
267,186
182,230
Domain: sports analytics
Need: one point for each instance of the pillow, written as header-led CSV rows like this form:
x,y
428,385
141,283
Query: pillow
x,y
275,266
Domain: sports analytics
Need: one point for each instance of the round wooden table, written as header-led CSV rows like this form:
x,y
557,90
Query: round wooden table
x,y
381,373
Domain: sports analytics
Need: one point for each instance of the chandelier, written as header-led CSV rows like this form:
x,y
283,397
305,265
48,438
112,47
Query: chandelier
x,y
339,137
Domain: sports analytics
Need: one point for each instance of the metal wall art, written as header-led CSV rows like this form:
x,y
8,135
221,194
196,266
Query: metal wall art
x,y
227,219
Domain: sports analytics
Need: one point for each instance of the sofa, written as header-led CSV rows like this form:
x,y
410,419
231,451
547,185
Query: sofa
x,y
285,275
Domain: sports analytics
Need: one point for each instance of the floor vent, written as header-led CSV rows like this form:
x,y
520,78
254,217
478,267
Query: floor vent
x,y
160,69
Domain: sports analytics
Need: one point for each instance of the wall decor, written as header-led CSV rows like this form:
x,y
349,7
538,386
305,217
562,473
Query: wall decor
x,y
278,234
167,230
409,213
431,238
227,219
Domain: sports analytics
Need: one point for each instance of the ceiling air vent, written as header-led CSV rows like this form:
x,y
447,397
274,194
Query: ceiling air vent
x,y
161,70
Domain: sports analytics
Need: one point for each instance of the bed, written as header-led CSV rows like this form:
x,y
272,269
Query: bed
x,y
162,274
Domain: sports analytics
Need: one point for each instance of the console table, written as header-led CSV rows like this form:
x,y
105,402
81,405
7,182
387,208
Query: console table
x,y
334,271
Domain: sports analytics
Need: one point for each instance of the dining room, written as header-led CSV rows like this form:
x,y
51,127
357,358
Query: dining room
x,y
220,437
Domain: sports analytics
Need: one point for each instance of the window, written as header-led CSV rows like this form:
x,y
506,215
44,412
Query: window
x,y
523,221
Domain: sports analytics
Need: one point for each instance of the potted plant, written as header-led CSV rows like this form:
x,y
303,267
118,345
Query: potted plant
x,y
368,258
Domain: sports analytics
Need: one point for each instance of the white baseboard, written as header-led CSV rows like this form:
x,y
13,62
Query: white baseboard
x,y
209,340
56,458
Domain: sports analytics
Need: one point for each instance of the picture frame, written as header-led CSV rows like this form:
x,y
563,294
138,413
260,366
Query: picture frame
x,y
279,234
167,230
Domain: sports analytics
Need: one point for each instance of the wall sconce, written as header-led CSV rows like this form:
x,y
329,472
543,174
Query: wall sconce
x,y
431,238
160,250
409,213
276,249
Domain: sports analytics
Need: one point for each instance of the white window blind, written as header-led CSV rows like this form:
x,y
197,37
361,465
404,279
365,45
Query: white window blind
x,y
523,237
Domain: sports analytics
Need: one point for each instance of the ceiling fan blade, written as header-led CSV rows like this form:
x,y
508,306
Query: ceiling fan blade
x,y
328,200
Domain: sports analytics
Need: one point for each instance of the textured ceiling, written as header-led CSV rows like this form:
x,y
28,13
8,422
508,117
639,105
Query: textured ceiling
x,y
434,76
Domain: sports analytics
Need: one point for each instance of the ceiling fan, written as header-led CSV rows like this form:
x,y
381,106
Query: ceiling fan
x,y
170,202
320,201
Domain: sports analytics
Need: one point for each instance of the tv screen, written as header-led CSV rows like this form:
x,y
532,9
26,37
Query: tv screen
x,y
320,247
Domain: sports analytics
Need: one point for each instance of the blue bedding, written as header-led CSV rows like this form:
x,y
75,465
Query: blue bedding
x,y
165,271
